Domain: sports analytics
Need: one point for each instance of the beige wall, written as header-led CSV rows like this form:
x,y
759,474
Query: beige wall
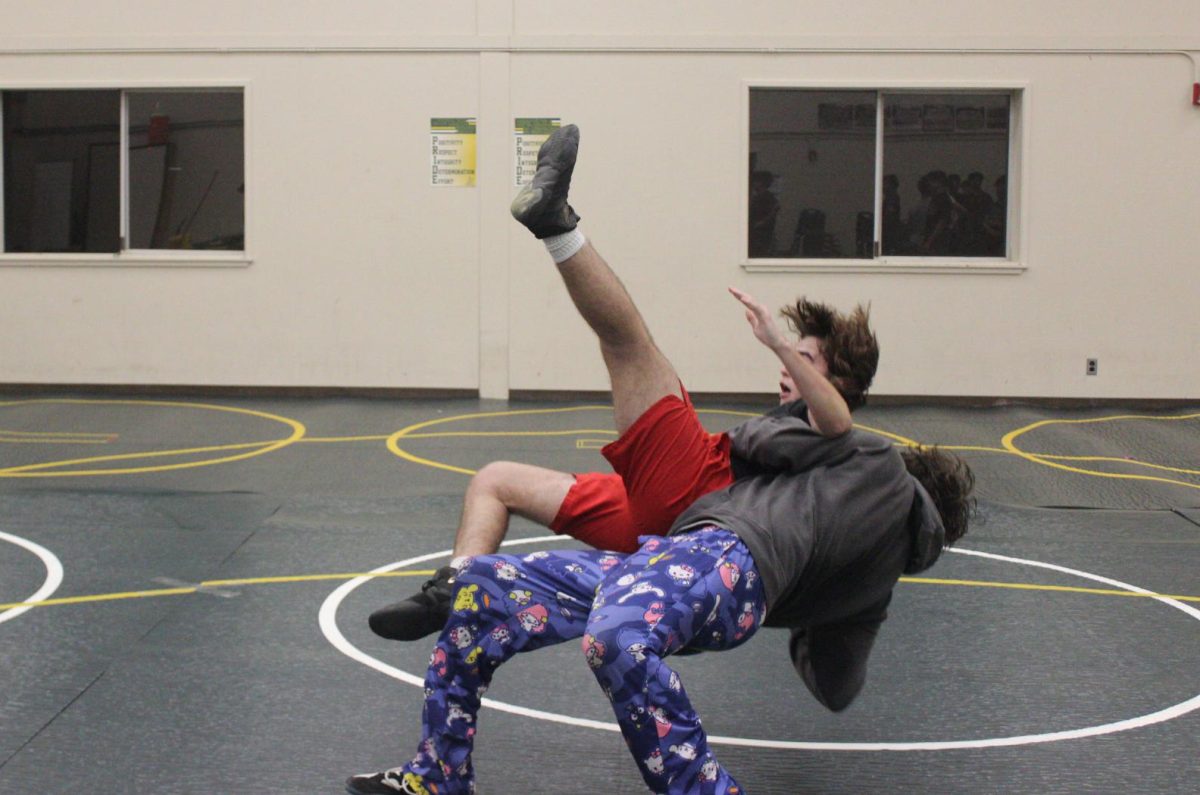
x,y
357,264
363,275
869,22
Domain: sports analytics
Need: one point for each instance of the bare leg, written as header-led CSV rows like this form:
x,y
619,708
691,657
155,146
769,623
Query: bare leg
x,y
496,492
503,488
640,374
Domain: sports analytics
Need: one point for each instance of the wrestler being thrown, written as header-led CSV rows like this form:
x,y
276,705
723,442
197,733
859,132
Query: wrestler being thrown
x,y
812,535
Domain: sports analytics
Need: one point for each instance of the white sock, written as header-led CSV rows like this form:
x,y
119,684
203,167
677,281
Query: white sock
x,y
563,247
459,563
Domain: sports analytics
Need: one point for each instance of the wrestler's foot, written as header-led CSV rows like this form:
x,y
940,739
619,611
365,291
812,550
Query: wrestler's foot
x,y
542,204
421,614
389,782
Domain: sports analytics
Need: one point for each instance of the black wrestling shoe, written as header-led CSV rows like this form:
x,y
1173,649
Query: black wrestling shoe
x,y
542,204
389,782
421,614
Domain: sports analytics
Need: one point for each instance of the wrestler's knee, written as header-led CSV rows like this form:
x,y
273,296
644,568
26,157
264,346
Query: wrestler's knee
x,y
609,643
494,478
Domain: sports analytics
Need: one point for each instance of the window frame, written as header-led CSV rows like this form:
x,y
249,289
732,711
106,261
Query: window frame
x,y
1018,144
128,257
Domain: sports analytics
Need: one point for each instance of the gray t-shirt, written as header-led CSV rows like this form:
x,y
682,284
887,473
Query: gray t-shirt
x,y
831,525
828,526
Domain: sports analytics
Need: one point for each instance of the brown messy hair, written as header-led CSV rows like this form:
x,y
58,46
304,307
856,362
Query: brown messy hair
x,y
849,345
949,482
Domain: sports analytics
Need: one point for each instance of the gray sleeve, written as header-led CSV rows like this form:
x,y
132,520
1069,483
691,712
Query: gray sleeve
x,y
832,658
784,444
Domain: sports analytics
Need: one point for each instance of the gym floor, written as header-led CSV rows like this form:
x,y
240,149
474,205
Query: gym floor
x,y
183,606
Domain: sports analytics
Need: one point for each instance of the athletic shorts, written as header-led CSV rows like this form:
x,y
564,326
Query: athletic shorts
x,y
663,463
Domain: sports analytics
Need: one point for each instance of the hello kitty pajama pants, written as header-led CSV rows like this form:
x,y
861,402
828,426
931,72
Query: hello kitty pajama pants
x,y
699,589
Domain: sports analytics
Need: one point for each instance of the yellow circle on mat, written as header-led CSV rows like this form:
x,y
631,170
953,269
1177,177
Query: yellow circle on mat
x,y
410,432
1009,442
250,449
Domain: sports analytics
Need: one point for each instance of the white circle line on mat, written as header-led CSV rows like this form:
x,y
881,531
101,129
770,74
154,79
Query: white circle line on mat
x,y
328,623
54,574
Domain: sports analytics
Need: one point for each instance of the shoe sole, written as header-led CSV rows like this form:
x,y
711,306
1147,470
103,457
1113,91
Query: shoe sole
x,y
386,623
559,152
525,201
352,790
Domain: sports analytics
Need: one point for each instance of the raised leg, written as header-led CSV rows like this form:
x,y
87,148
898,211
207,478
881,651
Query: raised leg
x,y
640,374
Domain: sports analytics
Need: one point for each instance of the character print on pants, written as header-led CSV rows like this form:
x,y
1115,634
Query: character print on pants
x,y
646,614
503,604
698,589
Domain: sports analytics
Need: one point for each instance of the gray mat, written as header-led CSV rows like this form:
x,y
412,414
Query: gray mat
x,y
236,688
1191,514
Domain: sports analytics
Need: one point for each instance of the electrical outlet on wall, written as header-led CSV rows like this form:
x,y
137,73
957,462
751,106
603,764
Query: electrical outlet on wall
x,y
1093,366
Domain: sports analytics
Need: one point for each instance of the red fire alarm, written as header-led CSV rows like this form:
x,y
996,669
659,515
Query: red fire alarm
x,y
1196,93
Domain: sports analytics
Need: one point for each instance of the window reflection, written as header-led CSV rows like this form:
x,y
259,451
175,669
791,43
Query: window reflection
x,y
812,165
61,189
186,157
945,160
62,170
812,174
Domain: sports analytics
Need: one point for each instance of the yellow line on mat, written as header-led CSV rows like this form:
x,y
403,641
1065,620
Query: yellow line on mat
x,y
38,470
144,454
22,440
100,597
315,577
5,430
570,432
1009,443
1060,588
112,597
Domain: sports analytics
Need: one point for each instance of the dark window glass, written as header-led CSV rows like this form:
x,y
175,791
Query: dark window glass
x,y
812,173
186,170
61,192
945,165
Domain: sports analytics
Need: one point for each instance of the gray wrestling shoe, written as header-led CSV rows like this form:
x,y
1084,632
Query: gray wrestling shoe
x,y
542,204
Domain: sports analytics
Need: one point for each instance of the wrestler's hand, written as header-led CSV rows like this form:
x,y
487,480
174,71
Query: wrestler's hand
x,y
765,329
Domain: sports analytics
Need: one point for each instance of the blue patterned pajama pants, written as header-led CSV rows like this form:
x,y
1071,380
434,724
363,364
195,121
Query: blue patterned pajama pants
x,y
699,589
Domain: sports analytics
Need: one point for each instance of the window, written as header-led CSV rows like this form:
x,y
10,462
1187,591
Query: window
x,y
863,174
106,171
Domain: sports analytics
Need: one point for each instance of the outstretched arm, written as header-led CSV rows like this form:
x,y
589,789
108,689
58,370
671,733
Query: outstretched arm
x,y
827,408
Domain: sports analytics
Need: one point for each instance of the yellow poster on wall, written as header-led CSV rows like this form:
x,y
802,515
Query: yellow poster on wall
x,y
453,152
529,135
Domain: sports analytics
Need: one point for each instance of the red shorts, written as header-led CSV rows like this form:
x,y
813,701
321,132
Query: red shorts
x,y
664,462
